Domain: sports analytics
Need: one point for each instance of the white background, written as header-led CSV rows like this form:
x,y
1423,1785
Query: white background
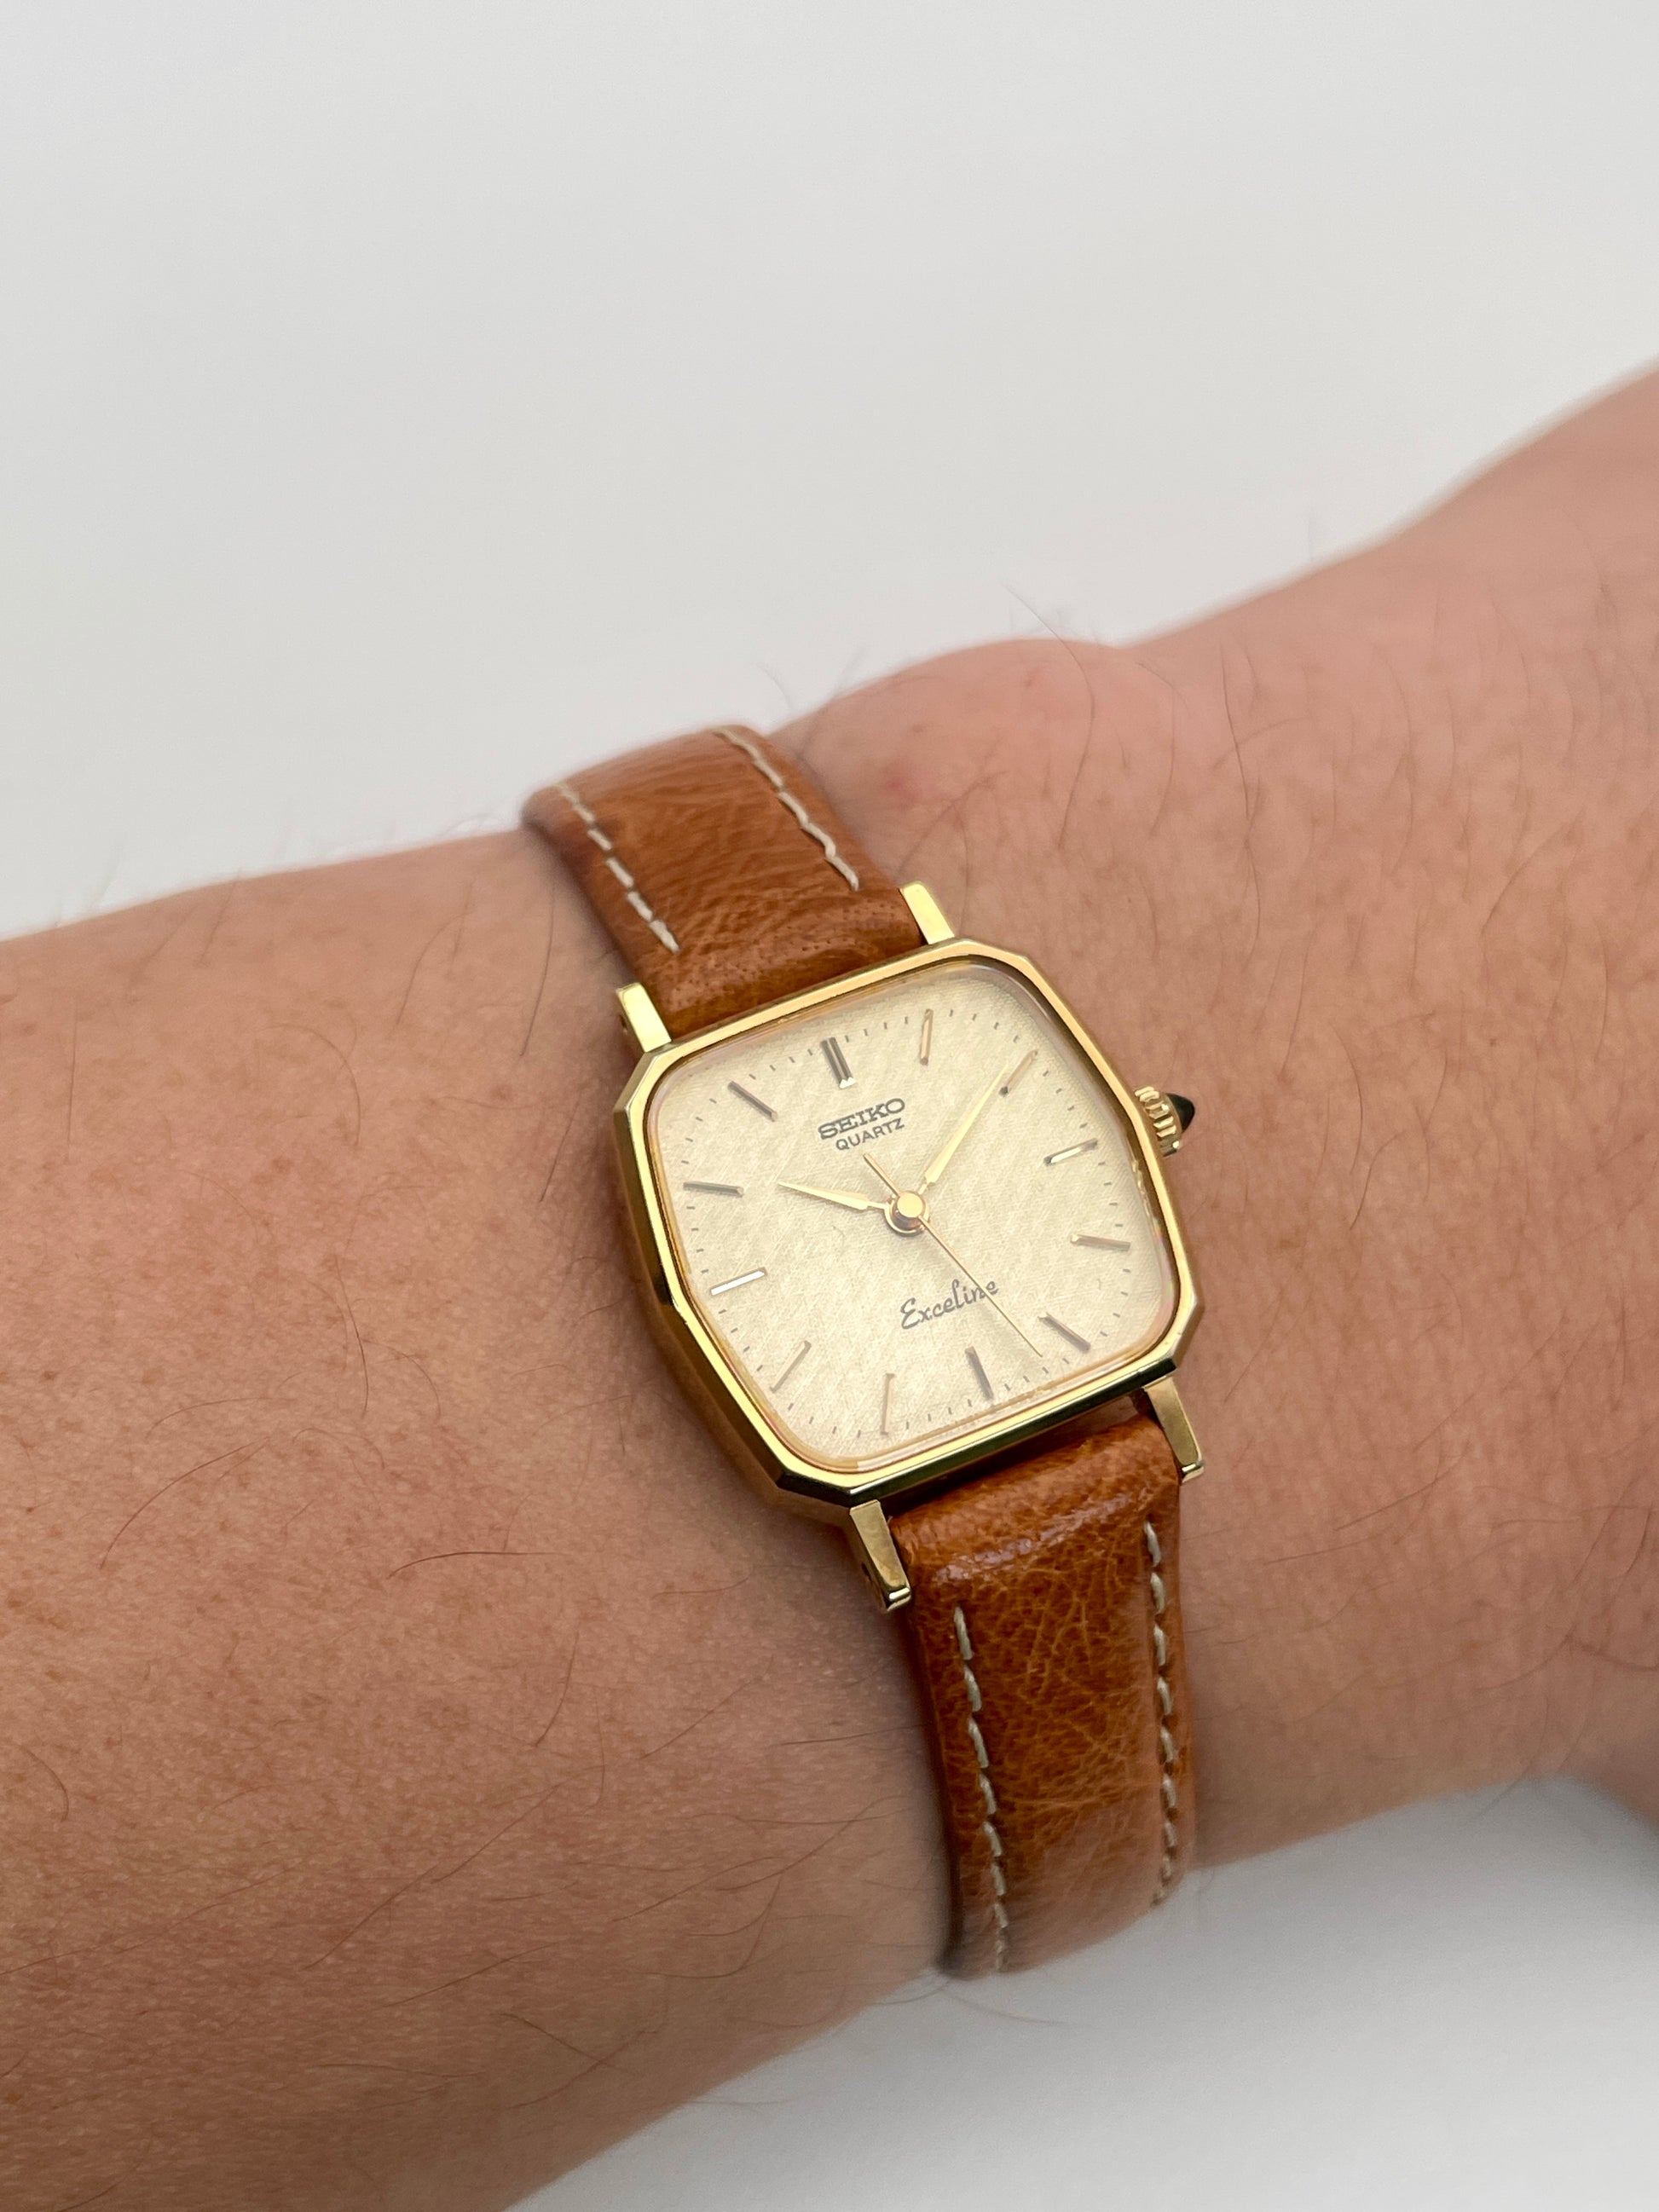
x,y
402,402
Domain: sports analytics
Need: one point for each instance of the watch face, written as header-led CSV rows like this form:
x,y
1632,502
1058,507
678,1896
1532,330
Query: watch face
x,y
909,1213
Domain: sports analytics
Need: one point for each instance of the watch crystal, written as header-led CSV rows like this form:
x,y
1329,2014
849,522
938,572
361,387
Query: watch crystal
x,y
909,1214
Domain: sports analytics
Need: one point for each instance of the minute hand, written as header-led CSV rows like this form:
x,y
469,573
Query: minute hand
x,y
947,1152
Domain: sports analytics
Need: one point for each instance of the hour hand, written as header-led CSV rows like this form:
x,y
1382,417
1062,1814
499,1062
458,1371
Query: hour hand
x,y
854,1200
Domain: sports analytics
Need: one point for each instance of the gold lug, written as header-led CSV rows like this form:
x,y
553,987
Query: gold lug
x,y
640,1017
1162,1118
928,915
877,1553
1164,1401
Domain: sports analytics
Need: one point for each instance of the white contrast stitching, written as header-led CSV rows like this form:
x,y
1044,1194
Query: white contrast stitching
x,y
589,821
1167,1752
989,1825
786,797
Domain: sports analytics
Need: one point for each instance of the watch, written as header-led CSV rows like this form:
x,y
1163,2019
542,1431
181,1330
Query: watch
x,y
906,1237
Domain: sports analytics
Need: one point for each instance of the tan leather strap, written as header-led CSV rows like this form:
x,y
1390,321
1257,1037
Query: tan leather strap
x,y
717,867
1044,1626
1046,1641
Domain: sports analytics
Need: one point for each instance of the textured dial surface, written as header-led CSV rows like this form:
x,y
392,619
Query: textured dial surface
x,y
909,1214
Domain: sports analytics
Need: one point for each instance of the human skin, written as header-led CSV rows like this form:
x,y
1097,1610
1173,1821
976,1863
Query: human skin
x,y
422,1760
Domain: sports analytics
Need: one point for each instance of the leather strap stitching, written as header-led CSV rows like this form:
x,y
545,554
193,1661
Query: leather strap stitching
x,y
989,1825
786,797
1166,1743
590,823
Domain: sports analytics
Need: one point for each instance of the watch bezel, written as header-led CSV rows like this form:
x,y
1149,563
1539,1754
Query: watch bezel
x,y
761,1448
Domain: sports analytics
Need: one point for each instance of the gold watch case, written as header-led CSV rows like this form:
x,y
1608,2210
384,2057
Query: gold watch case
x,y
855,1498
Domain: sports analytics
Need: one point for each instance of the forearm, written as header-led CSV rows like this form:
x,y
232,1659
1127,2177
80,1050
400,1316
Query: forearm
x,y
429,1759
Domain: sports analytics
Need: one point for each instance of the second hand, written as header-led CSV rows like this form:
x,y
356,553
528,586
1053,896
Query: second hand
x,y
990,1297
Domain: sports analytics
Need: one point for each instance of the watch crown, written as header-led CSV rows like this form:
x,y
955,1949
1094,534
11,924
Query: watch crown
x,y
1167,1117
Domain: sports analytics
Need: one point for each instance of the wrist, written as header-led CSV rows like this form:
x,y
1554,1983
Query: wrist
x,y
1247,855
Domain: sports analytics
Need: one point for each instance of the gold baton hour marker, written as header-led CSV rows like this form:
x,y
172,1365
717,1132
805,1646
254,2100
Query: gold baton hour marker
x,y
837,1060
926,1052
887,1402
1025,1064
717,1189
801,1350
736,1282
1102,1243
1060,1330
1071,1151
749,1099
980,1375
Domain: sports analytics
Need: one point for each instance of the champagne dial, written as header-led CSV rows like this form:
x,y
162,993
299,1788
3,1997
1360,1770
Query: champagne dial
x,y
909,1213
